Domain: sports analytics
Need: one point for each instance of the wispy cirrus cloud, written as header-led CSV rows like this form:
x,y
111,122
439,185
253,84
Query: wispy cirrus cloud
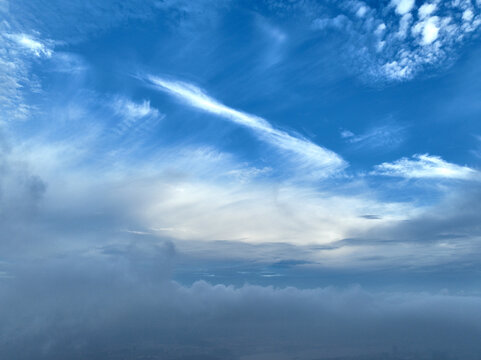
x,y
306,152
35,46
387,136
17,51
426,166
131,113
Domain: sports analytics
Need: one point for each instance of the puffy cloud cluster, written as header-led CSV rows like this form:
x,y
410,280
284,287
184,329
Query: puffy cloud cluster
x,y
396,41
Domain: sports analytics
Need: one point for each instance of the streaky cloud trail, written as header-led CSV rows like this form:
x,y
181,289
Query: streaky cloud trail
x,y
306,152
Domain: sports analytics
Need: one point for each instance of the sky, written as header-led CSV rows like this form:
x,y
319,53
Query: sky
x,y
249,180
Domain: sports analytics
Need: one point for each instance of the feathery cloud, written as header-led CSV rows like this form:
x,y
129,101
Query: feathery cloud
x,y
131,112
35,46
306,152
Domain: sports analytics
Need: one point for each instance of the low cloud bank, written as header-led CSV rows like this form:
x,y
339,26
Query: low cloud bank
x,y
119,303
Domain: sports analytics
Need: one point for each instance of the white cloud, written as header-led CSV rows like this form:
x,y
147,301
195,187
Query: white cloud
x,y
468,15
404,24
35,46
430,30
306,152
127,108
338,22
16,50
274,43
196,195
426,10
426,166
362,11
386,136
397,48
380,29
403,6
347,134
131,112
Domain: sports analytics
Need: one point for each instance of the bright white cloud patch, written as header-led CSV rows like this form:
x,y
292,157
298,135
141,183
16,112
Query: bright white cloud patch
x,y
33,45
430,31
426,10
306,152
468,15
426,166
403,6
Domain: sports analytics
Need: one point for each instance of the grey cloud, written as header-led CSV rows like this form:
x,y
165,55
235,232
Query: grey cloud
x,y
21,191
371,217
119,305
457,217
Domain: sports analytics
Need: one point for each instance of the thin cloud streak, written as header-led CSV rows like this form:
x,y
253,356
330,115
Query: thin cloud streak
x,y
426,166
309,153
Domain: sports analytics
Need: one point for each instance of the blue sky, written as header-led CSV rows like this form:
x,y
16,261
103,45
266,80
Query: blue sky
x,y
324,156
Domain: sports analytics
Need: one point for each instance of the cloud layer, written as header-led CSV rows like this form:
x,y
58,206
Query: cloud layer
x,y
109,215
118,302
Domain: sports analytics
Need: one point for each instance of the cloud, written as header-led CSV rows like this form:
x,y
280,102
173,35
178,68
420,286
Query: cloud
x,y
339,22
273,44
113,294
196,194
119,302
426,166
387,136
202,199
443,238
54,18
305,151
16,50
131,113
397,48
128,108
33,45
426,9
403,6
